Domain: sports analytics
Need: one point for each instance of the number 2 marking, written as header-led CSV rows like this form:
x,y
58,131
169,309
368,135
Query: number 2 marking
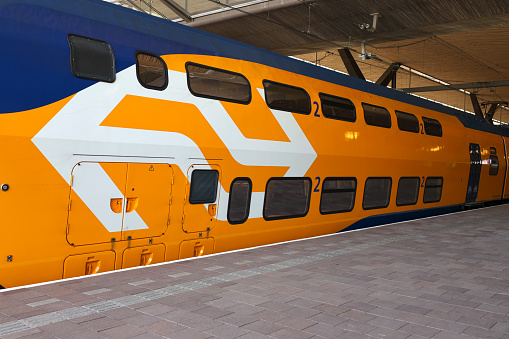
x,y
317,184
422,184
316,111
422,128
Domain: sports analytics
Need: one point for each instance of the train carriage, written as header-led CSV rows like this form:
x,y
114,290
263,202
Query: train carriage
x,y
129,140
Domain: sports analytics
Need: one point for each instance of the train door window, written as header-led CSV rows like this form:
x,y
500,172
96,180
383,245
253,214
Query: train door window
x,y
407,122
432,127
203,186
337,108
239,200
433,189
286,198
408,191
376,116
493,161
214,83
151,70
287,98
338,195
91,59
377,193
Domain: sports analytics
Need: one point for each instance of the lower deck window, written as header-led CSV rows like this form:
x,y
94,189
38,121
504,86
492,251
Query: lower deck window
x,y
203,186
493,165
239,201
338,195
433,189
377,193
286,198
408,191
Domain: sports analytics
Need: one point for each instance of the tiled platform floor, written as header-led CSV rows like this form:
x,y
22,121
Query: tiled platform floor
x,y
442,277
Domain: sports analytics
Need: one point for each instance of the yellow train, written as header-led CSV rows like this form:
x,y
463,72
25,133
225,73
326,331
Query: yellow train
x,y
128,140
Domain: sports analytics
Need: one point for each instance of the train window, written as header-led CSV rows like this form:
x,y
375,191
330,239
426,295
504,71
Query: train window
x,y
151,70
408,191
377,193
432,127
91,59
214,83
493,164
433,189
287,98
239,201
376,116
337,108
338,195
203,186
286,198
407,122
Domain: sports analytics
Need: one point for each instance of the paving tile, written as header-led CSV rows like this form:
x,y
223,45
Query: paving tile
x,y
102,324
290,333
263,327
124,331
163,327
226,331
324,330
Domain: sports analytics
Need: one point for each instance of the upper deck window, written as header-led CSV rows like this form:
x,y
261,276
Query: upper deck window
x,y
407,122
337,108
376,116
151,71
91,59
286,98
214,83
432,127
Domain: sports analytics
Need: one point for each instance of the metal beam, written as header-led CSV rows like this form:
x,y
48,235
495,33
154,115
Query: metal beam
x,y
489,84
491,112
350,63
180,11
389,76
476,106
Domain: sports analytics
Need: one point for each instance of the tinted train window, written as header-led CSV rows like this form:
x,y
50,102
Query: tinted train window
x,y
203,186
408,191
286,97
432,127
407,122
239,201
376,116
286,198
433,189
151,71
377,193
337,108
338,195
214,83
91,59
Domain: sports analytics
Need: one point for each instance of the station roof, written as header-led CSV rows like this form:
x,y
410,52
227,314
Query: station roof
x,y
439,43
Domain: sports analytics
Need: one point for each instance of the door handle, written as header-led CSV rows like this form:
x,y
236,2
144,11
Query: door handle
x,y
131,204
116,205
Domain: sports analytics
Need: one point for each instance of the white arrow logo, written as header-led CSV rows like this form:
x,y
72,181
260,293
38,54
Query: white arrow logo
x,y
74,135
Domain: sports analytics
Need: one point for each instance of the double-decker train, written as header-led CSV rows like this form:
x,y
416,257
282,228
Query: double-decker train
x,y
129,140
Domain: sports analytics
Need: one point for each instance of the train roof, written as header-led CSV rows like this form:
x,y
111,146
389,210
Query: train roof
x,y
210,44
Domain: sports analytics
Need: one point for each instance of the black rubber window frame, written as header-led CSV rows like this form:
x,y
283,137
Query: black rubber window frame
x,y
166,79
292,215
375,123
402,124
220,98
248,202
214,186
427,186
328,99
430,125
346,190
297,89
74,53
417,195
388,194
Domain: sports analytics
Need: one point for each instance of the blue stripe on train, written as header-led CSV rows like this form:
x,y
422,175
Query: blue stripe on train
x,y
119,26
382,219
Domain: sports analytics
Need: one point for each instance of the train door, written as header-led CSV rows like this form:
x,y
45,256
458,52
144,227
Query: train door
x,y
202,197
115,201
475,173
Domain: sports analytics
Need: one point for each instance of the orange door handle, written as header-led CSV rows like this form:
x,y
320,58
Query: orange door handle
x,y
116,205
212,209
131,204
